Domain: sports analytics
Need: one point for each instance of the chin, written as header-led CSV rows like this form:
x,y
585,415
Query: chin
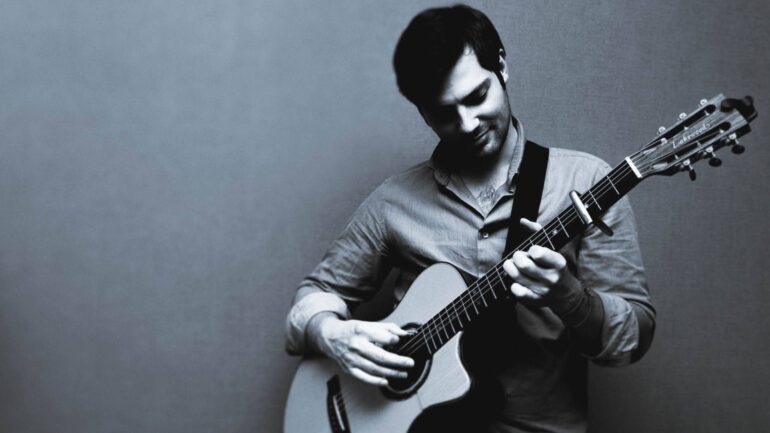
x,y
489,150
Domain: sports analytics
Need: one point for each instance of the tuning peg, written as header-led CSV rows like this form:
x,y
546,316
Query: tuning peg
x,y
661,129
690,170
713,160
704,101
682,115
736,148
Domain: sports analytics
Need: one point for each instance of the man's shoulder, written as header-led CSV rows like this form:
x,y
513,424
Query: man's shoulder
x,y
416,178
401,191
581,159
574,168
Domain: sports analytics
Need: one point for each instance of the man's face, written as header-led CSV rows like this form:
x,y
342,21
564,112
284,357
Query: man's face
x,y
471,112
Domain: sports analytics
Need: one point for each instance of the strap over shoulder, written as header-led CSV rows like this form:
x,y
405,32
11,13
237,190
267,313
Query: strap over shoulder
x,y
530,180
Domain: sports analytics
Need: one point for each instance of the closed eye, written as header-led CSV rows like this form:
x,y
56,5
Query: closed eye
x,y
476,98
478,95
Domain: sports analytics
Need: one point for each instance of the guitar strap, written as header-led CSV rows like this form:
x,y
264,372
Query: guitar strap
x,y
489,344
530,180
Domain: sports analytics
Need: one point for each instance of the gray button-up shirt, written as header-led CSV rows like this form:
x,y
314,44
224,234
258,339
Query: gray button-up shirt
x,y
426,215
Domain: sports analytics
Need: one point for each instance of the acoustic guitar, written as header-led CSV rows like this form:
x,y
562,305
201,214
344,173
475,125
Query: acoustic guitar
x,y
439,305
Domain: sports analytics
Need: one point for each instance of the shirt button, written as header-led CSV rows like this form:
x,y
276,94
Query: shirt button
x,y
484,234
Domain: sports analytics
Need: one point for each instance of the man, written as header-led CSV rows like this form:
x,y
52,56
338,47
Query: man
x,y
587,301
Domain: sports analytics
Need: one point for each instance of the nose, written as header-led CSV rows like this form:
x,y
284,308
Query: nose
x,y
467,120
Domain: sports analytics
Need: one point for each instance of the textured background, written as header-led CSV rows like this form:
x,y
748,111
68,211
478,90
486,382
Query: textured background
x,y
169,171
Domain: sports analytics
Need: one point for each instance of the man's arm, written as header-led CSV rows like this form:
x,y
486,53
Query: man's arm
x,y
611,268
606,305
350,272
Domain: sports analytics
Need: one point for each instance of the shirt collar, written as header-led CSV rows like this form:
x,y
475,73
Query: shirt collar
x,y
443,165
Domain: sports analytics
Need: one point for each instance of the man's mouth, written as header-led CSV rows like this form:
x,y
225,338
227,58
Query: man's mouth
x,y
478,138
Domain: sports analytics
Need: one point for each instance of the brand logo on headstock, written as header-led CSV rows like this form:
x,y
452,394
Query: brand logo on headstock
x,y
690,135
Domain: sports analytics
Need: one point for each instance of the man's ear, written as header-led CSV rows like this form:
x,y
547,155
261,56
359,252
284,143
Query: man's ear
x,y
503,65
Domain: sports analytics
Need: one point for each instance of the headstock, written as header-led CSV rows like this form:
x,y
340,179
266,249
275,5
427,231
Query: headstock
x,y
715,124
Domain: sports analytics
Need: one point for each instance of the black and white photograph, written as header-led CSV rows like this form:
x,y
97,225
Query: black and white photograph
x,y
353,216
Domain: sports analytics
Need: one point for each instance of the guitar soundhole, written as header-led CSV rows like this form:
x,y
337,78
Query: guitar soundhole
x,y
402,388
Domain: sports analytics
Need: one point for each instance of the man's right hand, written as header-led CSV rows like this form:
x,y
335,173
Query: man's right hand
x,y
357,346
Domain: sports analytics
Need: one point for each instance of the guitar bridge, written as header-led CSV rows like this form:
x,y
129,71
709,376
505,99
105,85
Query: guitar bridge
x,y
335,406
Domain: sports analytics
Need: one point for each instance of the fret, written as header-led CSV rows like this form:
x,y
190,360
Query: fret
x,y
465,309
545,233
613,185
564,229
491,287
443,328
500,278
427,345
436,346
450,320
482,298
435,334
473,302
458,316
594,198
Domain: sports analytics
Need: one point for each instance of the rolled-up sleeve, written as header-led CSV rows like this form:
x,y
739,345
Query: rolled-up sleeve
x,y
350,272
612,267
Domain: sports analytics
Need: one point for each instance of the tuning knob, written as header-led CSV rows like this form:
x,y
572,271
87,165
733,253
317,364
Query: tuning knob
x,y
713,160
736,148
690,170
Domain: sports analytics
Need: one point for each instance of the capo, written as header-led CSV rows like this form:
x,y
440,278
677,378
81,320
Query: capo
x,y
585,216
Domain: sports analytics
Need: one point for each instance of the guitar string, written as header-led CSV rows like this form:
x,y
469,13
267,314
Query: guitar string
x,y
601,189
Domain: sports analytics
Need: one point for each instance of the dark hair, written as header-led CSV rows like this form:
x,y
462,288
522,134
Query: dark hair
x,y
432,43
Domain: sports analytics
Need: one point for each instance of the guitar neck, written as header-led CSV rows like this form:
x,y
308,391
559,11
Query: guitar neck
x,y
492,288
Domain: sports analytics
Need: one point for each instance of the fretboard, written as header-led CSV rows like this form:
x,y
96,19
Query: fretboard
x,y
493,287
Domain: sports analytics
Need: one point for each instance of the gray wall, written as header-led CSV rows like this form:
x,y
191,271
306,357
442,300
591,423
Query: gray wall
x,y
170,170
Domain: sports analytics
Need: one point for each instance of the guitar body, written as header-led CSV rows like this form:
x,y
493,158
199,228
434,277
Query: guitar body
x,y
323,398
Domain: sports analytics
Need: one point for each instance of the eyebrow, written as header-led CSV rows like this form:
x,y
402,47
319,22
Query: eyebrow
x,y
482,86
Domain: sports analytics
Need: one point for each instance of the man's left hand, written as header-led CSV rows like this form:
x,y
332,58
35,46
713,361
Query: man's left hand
x,y
541,277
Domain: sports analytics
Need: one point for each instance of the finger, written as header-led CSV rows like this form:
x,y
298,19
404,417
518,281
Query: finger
x,y
521,277
377,370
521,292
532,275
383,357
395,329
511,269
378,334
531,225
546,257
524,264
367,378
